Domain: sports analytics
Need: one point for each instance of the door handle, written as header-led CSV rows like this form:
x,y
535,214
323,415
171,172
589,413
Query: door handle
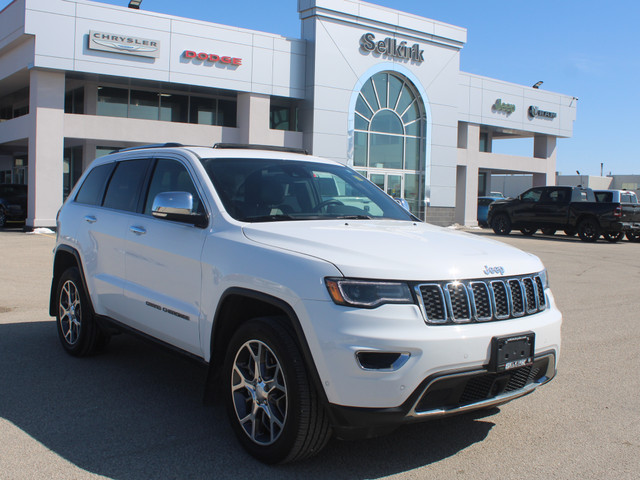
x,y
90,219
137,230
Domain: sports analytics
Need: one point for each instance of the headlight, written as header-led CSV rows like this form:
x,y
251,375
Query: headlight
x,y
367,293
545,278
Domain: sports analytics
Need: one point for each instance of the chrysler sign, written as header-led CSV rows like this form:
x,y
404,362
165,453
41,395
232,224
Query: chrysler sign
x,y
109,42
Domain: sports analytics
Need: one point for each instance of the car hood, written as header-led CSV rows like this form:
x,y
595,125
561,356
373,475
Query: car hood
x,y
395,250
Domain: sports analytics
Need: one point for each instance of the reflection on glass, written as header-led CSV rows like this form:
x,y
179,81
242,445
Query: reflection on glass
x,y
360,150
386,151
112,102
386,121
144,105
173,108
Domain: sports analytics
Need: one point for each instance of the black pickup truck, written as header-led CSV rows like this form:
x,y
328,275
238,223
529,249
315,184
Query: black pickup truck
x,y
572,209
628,201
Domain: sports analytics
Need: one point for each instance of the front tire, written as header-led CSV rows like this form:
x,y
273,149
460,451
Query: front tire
x,y
528,231
501,224
549,231
273,408
589,230
77,329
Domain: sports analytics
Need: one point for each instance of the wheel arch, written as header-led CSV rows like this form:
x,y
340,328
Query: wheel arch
x,y
238,305
64,258
587,216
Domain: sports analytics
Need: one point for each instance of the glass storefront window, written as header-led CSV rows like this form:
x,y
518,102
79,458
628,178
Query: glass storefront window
x,y
386,151
360,149
227,113
173,108
284,116
203,111
74,101
113,102
279,118
144,105
168,107
412,188
389,126
71,169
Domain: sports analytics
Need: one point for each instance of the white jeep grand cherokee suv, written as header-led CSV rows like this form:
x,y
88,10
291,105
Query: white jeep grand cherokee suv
x,y
320,305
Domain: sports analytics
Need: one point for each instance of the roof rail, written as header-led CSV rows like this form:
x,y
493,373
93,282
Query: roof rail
x,y
273,148
151,145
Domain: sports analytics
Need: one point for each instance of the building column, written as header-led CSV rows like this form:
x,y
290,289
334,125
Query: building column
x,y
467,176
46,146
544,149
253,118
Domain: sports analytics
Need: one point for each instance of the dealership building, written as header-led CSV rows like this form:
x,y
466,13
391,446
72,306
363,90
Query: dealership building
x,y
375,88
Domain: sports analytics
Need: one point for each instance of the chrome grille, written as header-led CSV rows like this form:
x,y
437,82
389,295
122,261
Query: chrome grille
x,y
529,294
433,304
517,299
458,299
540,291
501,299
481,300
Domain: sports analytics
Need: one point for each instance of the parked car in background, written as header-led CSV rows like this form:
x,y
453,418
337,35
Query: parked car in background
x,y
483,208
13,203
630,211
572,209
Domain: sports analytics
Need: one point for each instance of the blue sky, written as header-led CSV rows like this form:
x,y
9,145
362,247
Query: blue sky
x,y
588,49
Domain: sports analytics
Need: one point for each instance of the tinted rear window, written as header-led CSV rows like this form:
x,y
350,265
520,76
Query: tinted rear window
x,y
604,196
92,189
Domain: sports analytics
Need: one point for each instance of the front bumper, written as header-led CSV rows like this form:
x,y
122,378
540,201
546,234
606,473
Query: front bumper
x,y
340,335
446,394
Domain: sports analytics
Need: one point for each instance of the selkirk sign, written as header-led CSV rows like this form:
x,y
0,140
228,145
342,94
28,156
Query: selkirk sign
x,y
391,47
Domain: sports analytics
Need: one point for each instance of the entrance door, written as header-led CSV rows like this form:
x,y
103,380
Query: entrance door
x,y
391,183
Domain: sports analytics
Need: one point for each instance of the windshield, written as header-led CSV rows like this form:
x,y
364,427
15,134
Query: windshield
x,y
263,190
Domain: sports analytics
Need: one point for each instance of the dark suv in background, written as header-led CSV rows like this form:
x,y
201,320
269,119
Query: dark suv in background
x,y
13,203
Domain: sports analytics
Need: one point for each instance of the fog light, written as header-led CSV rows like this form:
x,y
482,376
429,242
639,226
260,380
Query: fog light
x,y
389,361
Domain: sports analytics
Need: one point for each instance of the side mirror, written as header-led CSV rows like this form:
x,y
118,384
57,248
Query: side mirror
x,y
177,207
403,203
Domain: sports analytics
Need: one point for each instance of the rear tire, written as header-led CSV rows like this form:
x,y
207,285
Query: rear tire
x,y
77,329
272,405
613,237
570,233
3,217
528,231
501,224
589,230
549,231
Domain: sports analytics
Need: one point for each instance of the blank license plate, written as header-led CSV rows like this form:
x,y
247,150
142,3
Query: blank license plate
x,y
512,351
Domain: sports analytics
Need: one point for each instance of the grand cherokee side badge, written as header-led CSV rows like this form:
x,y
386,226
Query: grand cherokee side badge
x,y
493,270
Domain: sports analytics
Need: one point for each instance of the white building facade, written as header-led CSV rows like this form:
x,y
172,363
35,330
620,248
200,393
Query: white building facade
x,y
375,88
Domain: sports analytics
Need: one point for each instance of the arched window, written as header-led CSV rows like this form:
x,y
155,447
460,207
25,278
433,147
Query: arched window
x,y
389,128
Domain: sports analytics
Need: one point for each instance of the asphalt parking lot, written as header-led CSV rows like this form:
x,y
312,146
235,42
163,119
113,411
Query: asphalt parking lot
x,y
136,411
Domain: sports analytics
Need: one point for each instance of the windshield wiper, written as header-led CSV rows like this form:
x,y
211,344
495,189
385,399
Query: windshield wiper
x,y
354,217
269,218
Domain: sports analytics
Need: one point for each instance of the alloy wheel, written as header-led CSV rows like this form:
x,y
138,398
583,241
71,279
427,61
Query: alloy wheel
x,y
259,392
70,310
